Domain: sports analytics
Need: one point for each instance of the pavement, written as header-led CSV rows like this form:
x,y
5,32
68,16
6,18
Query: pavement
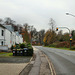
x,y
40,65
13,65
11,68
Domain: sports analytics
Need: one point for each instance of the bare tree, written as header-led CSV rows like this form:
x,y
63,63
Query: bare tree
x,y
52,24
41,35
1,21
9,21
26,27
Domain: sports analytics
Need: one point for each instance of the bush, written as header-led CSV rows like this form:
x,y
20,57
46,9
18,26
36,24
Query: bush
x,y
17,46
22,45
73,47
52,45
29,44
30,51
12,47
63,44
73,43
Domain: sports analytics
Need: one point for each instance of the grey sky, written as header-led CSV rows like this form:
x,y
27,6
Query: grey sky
x,y
38,12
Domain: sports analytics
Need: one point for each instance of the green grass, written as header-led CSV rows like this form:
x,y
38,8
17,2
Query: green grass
x,y
5,54
60,48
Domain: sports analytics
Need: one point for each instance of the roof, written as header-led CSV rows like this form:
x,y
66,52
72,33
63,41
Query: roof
x,y
9,27
2,26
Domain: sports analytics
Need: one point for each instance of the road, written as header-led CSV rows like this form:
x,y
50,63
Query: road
x,y
63,60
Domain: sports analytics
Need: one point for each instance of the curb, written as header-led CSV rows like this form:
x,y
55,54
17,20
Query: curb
x,y
28,65
52,70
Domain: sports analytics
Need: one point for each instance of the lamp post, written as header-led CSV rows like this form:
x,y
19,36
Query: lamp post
x,y
73,16
70,14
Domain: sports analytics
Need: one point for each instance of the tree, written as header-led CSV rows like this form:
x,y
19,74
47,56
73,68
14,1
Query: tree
x,y
25,33
1,21
9,21
66,37
60,36
73,34
52,24
41,36
19,28
50,37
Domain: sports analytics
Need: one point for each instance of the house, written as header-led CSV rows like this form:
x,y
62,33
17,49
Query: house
x,y
16,38
19,38
4,38
8,37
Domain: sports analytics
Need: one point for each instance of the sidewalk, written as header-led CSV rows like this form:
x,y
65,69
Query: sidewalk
x,y
11,68
13,65
40,66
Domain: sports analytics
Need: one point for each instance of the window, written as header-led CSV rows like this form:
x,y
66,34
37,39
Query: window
x,y
2,43
2,32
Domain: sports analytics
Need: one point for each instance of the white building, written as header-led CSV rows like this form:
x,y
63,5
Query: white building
x,y
8,37
19,38
2,36
5,38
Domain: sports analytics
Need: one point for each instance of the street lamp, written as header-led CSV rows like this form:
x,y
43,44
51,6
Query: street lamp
x,y
70,14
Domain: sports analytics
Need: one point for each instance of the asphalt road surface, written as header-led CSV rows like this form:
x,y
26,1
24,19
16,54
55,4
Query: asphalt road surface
x,y
63,60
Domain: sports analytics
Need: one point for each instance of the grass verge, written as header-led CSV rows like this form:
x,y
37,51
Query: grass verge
x,y
5,54
61,48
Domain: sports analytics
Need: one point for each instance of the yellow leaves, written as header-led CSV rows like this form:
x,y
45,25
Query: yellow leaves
x,y
49,37
14,46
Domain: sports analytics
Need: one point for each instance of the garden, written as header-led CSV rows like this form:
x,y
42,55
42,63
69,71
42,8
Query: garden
x,y
24,49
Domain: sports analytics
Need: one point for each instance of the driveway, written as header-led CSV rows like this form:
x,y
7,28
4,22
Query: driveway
x,y
13,65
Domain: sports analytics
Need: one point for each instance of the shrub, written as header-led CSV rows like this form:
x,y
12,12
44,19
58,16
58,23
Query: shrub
x,y
17,46
73,47
52,45
30,51
73,43
63,44
12,47
29,44
22,45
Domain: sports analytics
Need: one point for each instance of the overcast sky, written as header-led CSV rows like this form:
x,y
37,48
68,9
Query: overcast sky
x,y
38,12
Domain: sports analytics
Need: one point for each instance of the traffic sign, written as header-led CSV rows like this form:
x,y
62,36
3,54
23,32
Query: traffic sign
x,y
70,35
70,38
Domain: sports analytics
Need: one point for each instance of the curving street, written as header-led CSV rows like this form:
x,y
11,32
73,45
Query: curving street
x,y
63,60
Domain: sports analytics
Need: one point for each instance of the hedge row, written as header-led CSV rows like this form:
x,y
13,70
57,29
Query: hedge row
x,y
64,44
22,46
